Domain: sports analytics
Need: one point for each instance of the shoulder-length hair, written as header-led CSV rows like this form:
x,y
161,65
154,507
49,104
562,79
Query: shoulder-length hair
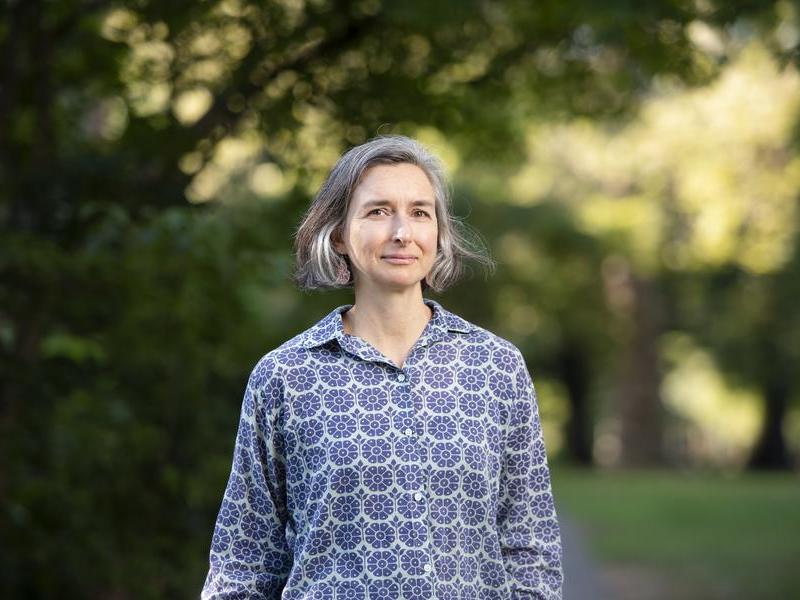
x,y
317,262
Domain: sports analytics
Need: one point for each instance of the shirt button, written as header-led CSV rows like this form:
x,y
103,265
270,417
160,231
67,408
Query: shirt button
x,y
401,377
427,567
417,495
408,431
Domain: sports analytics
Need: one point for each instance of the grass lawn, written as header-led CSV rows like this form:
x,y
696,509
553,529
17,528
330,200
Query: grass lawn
x,y
714,537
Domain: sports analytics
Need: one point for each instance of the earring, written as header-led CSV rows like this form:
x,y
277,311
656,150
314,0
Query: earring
x,y
342,273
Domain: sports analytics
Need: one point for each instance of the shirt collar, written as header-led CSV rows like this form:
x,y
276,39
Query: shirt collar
x,y
331,326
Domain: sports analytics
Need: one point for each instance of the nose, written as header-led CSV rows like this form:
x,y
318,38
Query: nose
x,y
401,230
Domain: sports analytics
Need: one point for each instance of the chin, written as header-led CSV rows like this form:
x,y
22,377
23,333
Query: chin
x,y
400,284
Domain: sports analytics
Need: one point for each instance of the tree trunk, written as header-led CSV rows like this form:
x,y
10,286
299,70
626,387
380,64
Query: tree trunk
x,y
579,429
770,452
640,408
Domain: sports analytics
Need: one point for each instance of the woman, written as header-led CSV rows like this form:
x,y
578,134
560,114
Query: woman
x,y
393,449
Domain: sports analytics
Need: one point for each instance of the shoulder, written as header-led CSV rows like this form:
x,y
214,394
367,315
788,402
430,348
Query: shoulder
x,y
481,335
266,373
266,385
271,367
501,352
497,355
500,361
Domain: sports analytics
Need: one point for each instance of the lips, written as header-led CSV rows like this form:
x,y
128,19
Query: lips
x,y
399,259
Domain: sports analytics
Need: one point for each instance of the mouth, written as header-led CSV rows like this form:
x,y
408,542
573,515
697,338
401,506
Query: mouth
x,y
399,259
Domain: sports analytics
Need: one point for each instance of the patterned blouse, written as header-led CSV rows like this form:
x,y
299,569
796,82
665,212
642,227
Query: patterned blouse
x,y
355,479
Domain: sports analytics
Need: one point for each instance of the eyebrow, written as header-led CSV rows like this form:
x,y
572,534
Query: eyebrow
x,y
383,202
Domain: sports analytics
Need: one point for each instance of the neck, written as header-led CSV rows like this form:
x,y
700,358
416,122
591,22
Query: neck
x,y
387,316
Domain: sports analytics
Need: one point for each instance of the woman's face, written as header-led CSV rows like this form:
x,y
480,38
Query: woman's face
x,y
391,233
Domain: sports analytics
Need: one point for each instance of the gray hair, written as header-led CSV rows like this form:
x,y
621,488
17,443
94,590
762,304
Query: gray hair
x,y
317,262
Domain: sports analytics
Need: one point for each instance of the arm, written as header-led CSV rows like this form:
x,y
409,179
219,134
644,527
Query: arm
x,y
530,538
249,554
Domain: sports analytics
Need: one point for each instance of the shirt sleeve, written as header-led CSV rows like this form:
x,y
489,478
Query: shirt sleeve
x,y
530,538
249,556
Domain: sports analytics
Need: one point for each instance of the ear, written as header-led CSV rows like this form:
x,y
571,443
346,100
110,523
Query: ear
x,y
336,241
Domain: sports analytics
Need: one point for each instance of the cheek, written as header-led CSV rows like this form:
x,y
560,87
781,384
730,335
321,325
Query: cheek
x,y
365,237
432,238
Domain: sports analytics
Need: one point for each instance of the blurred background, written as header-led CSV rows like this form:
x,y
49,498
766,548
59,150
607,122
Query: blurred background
x,y
634,168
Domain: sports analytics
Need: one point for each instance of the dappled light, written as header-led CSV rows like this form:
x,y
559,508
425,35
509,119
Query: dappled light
x,y
701,178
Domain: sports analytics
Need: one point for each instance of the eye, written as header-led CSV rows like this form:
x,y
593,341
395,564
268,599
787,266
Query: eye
x,y
421,213
375,210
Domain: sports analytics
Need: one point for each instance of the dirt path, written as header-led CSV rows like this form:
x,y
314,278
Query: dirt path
x,y
583,579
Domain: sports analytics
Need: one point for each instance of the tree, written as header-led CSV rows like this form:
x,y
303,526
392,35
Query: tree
x,y
701,181
111,116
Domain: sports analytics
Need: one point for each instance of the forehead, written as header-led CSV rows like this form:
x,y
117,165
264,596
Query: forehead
x,y
402,181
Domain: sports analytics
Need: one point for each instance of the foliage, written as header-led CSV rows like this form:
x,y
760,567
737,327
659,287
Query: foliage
x,y
129,317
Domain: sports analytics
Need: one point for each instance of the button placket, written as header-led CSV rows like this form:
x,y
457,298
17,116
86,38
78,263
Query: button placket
x,y
403,380
418,496
410,430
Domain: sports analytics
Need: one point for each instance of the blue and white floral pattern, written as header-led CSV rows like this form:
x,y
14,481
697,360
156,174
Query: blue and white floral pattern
x,y
355,479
